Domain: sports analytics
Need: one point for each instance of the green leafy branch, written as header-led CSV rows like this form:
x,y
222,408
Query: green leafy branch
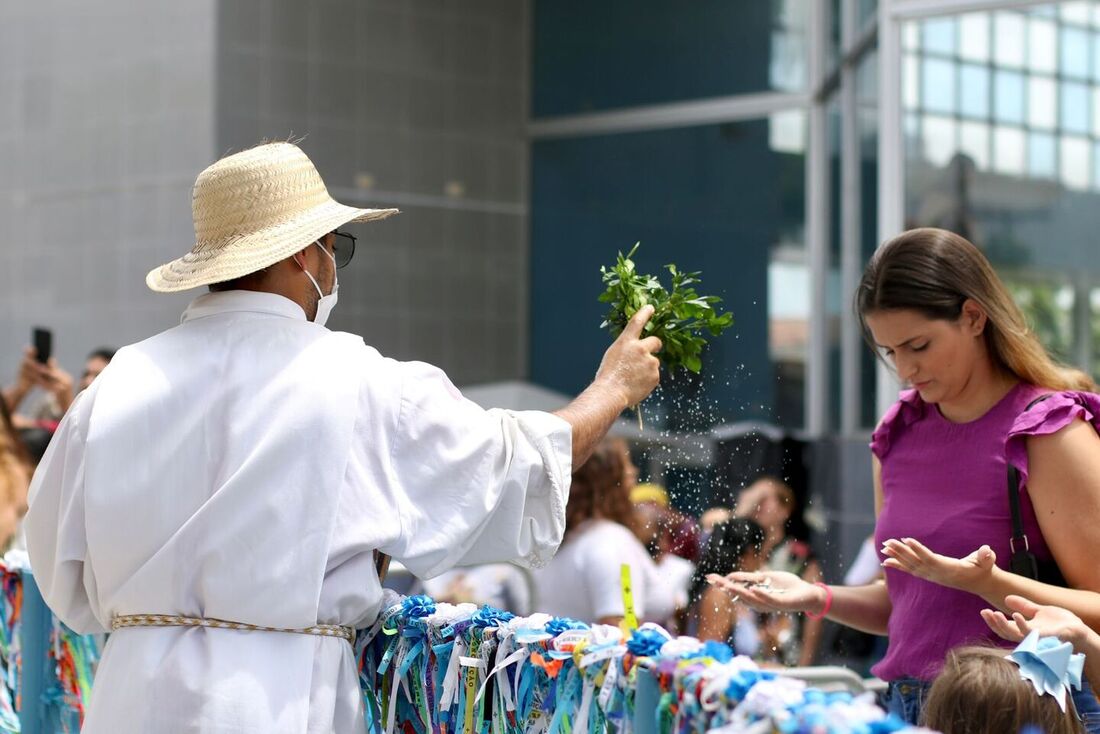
x,y
682,318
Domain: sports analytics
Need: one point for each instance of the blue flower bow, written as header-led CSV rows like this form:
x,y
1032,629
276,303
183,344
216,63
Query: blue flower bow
x,y
415,607
489,616
557,625
1049,664
646,642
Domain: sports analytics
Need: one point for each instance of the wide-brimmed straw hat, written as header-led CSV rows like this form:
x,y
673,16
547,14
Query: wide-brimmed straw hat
x,y
253,209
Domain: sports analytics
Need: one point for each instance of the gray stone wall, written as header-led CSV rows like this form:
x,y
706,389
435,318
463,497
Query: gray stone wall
x,y
108,111
106,114
416,104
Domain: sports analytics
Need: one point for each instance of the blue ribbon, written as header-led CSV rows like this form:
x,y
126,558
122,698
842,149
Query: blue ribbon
x,y
557,625
646,643
1050,665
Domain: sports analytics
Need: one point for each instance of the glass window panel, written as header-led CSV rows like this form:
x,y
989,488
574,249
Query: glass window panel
x,y
911,132
1008,150
1008,97
867,78
787,132
1096,165
938,36
868,134
834,33
1042,47
938,139
1076,12
1075,107
974,90
1034,230
910,36
1008,32
614,59
788,60
867,11
1075,52
974,142
1096,111
974,28
1047,303
1041,155
938,85
1096,56
911,92
1042,103
1076,171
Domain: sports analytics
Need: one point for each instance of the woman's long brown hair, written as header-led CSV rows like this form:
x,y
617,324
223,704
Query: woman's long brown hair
x,y
933,272
598,490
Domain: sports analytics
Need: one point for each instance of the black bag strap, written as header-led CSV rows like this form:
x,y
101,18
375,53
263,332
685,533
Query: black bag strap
x,y
1014,493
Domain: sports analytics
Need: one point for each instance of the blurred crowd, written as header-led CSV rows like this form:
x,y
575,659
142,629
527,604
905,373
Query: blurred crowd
x,y
32,406
613,520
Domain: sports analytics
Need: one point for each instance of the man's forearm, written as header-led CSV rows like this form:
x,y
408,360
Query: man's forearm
x,y
591,416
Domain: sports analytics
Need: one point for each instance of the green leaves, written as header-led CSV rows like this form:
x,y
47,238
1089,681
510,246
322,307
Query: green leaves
x,y
682,318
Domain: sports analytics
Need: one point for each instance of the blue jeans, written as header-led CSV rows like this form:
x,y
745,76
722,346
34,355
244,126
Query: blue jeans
x,y
905,698
1088,708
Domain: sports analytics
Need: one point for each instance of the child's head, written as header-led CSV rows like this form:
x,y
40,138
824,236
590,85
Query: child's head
x,y
980,691
733,546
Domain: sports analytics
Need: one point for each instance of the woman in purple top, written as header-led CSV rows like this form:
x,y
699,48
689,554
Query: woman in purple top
x,y
931,302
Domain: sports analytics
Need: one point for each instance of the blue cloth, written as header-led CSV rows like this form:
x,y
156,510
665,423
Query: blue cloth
x,y
1088,708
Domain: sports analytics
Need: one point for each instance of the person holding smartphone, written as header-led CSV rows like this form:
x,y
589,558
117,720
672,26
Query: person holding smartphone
x,y
38,370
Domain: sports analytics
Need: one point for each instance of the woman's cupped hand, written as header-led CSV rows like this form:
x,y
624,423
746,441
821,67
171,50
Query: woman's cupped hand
x,y
972,573
771,591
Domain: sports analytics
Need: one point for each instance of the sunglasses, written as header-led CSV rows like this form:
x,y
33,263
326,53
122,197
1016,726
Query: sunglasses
x,y
343,248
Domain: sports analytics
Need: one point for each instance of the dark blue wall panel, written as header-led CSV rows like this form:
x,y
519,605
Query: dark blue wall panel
x,y
711,198
619,53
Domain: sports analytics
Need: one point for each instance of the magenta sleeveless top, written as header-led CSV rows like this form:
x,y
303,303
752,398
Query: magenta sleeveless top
x,y
944,484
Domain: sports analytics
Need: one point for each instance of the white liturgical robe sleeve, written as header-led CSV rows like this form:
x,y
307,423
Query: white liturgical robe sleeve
x,y
64,577
474,486
244,466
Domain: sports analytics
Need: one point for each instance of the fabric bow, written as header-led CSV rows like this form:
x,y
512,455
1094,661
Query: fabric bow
x,y
1049,664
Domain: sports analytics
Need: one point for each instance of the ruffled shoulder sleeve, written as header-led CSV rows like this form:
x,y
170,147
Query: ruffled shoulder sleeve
x,y
905,411
1049,416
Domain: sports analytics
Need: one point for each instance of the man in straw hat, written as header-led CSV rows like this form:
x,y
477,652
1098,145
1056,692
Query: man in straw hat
x,y
217,496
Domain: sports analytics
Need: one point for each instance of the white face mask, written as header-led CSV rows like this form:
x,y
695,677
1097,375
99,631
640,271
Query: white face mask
x,y
326,303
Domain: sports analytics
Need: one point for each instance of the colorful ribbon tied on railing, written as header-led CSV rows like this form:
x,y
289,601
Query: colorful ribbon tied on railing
x,y
437,668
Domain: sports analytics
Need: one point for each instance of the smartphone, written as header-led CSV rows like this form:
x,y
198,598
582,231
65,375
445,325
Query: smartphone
x,y
43,343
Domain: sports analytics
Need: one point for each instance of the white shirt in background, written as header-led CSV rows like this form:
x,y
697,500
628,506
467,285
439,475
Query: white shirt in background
x,y
500,585
584,580
676,573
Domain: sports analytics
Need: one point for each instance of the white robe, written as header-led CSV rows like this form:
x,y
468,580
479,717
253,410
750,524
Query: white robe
x,y
243,466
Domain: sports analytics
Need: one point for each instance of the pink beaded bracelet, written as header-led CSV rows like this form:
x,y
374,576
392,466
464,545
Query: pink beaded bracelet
x,y
828,602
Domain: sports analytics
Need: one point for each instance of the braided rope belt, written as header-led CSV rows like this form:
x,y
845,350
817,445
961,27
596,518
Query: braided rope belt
x,y
169,620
